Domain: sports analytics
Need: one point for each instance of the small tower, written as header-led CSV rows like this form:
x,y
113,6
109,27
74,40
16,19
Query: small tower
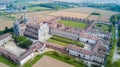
x,y
25,18
16,27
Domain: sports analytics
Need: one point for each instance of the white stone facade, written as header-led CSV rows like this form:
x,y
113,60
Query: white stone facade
x,y
87,40
43,31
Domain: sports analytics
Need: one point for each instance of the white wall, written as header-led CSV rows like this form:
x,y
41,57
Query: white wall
x,y
26,59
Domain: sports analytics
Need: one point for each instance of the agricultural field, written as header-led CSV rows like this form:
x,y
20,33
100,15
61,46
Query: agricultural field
x,y
50,62
73,24
69,14
86,10
104,14
39,15
5,22
37,8
64,41
94,17
82,12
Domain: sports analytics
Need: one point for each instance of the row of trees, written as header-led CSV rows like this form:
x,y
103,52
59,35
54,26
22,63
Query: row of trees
x,y
22,41
115,18
7,30
110,63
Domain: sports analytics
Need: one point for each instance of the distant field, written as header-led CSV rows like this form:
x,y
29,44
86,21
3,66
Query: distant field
x,y
105,14
38,14
64,41
86,10
73,24
69,14
5,22
94,17
37,8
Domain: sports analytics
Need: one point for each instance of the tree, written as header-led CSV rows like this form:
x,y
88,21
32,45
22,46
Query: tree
x,y
22,41
114,18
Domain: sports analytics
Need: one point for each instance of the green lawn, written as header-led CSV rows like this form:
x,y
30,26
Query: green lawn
x,y
37,8
74,24
64,41
8,62
102,27
59,56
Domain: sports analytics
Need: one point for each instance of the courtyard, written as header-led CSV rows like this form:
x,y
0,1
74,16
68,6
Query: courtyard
x,y
74,24
64,41
13,48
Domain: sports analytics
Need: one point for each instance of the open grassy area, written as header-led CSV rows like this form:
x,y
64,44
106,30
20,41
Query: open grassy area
x,y
74,24
102,27
8,62
37,8
64,41
59,56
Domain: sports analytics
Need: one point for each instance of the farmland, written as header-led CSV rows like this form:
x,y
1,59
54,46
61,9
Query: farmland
x,y
73,24
82,12
5,22
104,14
50,62
69,14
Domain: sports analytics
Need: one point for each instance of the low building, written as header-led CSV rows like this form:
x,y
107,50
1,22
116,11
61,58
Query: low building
x,y
24,57
4,38
85,54
85,37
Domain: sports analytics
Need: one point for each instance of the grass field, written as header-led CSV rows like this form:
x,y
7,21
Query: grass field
x,y
37,8
64,41
73,24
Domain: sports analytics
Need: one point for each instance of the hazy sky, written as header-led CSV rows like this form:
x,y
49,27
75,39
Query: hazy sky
x,y
102,1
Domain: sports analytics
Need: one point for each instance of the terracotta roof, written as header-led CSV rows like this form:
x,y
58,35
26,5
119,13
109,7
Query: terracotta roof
x,y
37,45
79,49
34,26
100,45
84,34
25,54
5,36
84,51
